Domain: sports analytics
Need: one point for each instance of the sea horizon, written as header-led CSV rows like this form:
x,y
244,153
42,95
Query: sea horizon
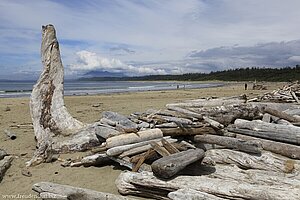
x,y
13,89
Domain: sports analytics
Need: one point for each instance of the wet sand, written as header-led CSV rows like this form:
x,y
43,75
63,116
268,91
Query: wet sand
x,y
88,109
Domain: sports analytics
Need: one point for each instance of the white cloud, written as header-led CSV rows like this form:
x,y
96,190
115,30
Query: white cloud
x,y
160,32
87,61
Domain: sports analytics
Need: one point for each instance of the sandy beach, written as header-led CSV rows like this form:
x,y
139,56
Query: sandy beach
x,y
15,116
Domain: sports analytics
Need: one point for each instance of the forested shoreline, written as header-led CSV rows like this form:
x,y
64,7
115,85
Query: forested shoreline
x,y
239,74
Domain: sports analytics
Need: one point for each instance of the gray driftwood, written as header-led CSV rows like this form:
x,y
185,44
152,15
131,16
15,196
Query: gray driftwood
x,y
190,194
5,163
48,190
240,187
276,132
121,122
228,142
98,159
288,150
144,148
120,149
280,114
266,161
168,166
181,131
52,123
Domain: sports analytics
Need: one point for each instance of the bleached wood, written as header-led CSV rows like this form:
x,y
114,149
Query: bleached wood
x,y
280,114
288,150
48,190
266,161
120,149
92,160
228,113
144,148
207,102
185,131
213,123
184,111
228,142
147,185
52,123
190,194
170,165
121,122
276,132
130,138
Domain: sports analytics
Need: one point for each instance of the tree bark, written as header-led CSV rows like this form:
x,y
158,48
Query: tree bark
x,y
168,166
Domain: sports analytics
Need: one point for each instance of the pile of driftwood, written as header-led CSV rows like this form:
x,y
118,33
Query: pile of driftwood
x,y
232,149
289,93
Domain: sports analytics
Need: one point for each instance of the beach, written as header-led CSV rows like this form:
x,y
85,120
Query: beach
x,y
15,116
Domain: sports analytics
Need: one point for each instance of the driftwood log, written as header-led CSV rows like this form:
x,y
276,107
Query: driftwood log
x,y
5,163
281,115
265,185
130,138
228,142
190,194
168,166
48,190
121,122
288,150
266,161
92,160
120,149
276,132
144,148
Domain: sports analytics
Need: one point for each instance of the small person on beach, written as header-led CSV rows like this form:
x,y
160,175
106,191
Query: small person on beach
x,y
246,86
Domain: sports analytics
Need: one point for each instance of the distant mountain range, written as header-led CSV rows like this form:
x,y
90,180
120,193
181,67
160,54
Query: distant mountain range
x,y
100,73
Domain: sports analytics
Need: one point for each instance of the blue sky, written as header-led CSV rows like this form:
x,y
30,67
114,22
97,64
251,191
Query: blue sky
x,y
137,37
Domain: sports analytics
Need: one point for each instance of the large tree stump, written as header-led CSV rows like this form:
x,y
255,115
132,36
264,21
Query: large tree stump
x,y
52,123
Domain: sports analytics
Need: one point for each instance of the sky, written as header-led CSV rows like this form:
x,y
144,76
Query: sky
x,y
142,37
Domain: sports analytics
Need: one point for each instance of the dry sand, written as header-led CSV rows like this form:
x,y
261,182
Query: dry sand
x,y
15,111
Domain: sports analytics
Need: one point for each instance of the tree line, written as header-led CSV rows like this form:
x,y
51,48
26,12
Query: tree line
x,y
239,74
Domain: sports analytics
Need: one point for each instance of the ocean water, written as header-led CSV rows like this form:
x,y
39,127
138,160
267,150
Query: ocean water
x,y
23,88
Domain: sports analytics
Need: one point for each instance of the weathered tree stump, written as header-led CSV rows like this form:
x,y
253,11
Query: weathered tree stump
x,y
52,123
